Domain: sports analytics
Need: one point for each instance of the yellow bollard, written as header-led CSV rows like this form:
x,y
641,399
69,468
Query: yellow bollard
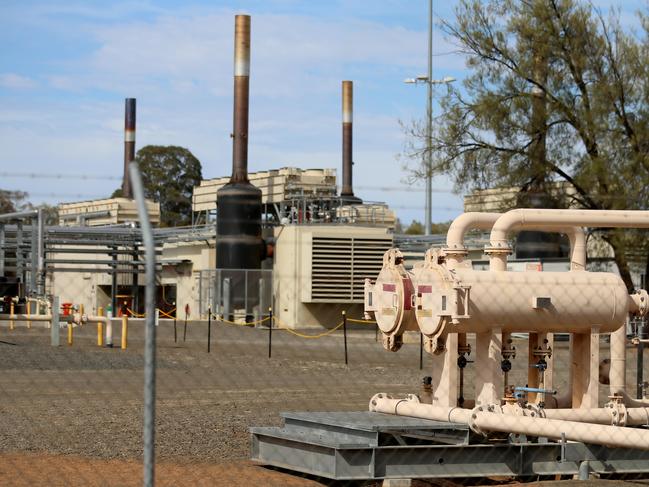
x,y
81,309
100,328
29,307
70,334
124,331
11,316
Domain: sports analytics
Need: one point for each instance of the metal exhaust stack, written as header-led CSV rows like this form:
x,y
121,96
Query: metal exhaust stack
x,y
347,191
238,225
129,145
241,99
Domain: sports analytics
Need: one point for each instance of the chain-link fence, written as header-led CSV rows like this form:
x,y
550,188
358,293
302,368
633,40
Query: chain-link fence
x,y
235,293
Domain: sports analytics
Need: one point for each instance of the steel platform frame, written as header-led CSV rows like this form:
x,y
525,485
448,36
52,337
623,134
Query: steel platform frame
x,y
373,446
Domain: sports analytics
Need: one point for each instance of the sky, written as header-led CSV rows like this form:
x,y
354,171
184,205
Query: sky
x,y
67,66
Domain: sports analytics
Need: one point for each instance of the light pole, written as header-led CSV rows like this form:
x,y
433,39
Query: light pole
x,y
429,81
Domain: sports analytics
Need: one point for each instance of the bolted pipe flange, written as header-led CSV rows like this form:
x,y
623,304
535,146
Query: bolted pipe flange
x,y
488,408
375,399
491,250
617,410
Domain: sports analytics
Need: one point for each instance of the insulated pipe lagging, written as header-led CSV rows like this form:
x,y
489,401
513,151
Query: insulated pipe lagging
x,y
615,436
634,416
583,218
617,371
456,249
499,247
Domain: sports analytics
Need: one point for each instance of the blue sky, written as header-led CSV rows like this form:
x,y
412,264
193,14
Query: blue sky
x,y
66,67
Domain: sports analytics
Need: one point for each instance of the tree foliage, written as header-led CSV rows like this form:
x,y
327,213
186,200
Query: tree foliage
x,y
169,174
11,201
558,93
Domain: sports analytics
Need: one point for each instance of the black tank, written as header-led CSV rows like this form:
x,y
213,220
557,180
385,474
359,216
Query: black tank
x,y
238,241
238,227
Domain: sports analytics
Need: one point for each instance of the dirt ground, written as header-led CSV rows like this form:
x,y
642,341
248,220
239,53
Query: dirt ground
x,y
72,415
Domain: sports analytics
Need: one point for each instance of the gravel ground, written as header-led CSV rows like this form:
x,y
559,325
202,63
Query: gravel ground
x,y
86,401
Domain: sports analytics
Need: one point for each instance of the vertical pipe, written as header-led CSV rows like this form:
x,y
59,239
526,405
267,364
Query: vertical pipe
x,y
113,282
41,253
640,372
150,334
345,334
129,145
55,328
20,268
33,259
617,371
429,124
241,98
226,298
348,107
209,328
270,332
135,288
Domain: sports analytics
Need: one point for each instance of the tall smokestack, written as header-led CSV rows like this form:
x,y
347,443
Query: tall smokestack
x,y
241,98
238,223
348,108
129,145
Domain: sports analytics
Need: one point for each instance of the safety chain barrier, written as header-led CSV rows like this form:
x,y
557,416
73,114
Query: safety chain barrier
x,y
247,323
143,315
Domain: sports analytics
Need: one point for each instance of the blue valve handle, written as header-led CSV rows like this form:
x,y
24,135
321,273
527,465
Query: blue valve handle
x,y
534,389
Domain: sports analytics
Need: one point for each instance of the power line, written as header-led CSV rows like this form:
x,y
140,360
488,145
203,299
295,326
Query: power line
x,y
33,175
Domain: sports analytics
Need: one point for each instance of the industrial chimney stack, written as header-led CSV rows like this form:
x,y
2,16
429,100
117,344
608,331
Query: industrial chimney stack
x,y
129,145
238,225
241,99
347,191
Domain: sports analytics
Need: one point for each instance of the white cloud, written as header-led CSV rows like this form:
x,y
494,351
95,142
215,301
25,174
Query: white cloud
x,y
15,81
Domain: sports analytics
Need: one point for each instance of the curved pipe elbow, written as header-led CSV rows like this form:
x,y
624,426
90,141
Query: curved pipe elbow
x,y
465,222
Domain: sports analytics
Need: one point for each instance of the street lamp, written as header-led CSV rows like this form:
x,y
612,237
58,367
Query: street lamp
x,y
429,131
429,81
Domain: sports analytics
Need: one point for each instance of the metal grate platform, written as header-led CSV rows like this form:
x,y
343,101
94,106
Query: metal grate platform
x,y
365,445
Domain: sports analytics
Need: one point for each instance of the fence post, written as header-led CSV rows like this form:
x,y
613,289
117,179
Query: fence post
x,y
209,327
345,334
55,328
100,328
270,331
150,335
124,331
